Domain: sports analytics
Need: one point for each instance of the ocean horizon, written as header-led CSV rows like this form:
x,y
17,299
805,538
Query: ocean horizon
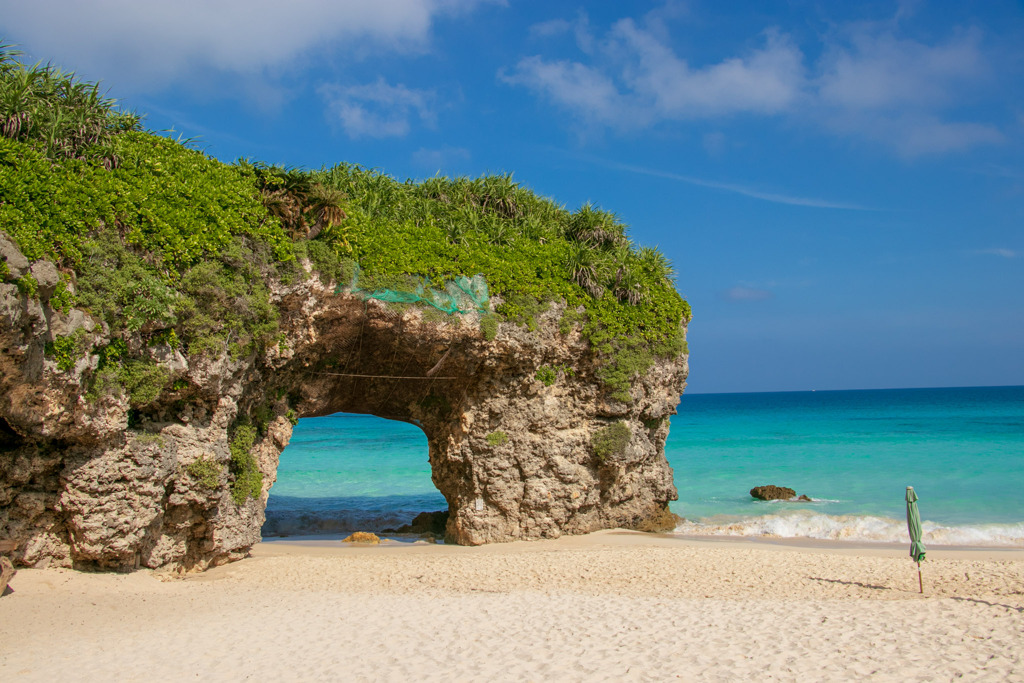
x,y
853,452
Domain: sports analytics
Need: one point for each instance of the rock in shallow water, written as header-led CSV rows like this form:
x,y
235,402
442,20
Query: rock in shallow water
x,y
424,523
771,492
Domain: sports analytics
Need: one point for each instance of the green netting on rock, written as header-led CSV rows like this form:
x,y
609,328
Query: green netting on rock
x,y
461,295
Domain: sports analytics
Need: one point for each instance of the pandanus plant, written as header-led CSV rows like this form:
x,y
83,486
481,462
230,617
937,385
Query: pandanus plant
x,y
601,228
628,286
532,227
457,232
53,111
499,232
499,194
586,266
304,207
496,194
325,204
655,263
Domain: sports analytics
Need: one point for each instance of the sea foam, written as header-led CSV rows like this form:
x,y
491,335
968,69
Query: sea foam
x,y
807,524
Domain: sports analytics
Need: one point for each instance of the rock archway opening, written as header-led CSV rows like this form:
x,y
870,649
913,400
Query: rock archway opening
x,y
380,390
351,472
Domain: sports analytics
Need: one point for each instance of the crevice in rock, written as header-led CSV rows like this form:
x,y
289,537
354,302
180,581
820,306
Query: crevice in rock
x,y
9,439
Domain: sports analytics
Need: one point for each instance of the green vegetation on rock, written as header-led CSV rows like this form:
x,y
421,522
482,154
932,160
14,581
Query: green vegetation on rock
x,y
206,471
62,299
27,285
143,381
248,478
498,438
162,239
489,326
547,375
66,350
611,441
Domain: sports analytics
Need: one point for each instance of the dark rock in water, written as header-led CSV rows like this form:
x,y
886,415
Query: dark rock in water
x,y
6,574
804,499
772,492
426,523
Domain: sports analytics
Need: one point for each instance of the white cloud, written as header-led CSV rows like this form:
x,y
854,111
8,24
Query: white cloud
x,y
899,92
147,45
911,133
579,29
554,27
877,70
574,86
767,80
870,82
645,81
378,110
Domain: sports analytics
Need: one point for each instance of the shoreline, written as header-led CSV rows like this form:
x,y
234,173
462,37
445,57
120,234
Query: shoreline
x,y
785,522
603,537
612,605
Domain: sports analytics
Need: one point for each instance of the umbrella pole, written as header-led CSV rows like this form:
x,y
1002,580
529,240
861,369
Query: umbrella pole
x,y
920,582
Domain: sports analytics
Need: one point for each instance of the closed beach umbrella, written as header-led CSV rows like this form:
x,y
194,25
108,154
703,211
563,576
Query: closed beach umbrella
x,y
914,526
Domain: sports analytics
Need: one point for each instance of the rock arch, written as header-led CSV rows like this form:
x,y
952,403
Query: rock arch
x,y
94,484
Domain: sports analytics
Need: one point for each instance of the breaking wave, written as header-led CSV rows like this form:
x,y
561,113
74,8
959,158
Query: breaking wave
x,y
808,524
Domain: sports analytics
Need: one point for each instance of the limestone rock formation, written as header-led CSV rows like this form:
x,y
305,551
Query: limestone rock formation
x,y
88,481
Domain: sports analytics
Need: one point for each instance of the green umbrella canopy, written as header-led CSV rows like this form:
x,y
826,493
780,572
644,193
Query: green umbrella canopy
x,y
914,526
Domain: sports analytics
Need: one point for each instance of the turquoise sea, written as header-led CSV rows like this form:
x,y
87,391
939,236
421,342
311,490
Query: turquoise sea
x,y
852,452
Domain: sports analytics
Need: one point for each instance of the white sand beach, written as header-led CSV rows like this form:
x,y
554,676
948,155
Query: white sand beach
x,y
612,605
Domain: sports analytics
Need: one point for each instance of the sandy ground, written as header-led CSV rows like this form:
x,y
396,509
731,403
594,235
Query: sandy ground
x,y
613,605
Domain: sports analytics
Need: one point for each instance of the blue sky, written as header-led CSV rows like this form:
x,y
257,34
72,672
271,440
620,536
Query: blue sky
x,y
839,185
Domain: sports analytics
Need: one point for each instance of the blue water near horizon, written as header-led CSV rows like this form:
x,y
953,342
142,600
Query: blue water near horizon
x,y
853,452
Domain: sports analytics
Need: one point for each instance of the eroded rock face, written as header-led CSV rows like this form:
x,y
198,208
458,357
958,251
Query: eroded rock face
x,y
89,483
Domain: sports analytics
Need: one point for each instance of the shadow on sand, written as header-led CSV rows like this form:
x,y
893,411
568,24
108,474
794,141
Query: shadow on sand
x,y
872,586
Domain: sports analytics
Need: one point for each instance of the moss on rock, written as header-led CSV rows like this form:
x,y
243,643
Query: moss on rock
x,y
611,441
248,481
